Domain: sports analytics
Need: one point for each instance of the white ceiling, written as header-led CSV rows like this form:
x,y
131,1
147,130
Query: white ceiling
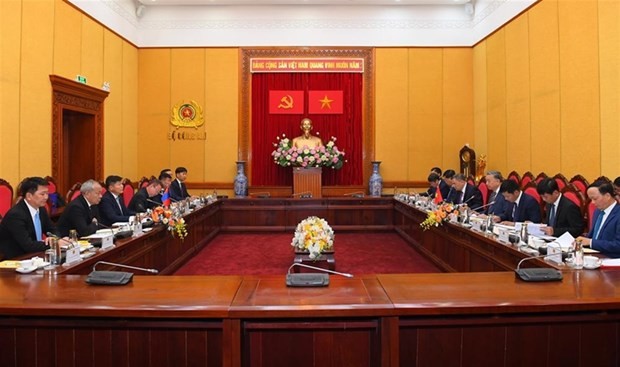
x,y
233,23
302,2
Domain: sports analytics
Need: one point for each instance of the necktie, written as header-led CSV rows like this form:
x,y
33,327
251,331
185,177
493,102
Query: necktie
x,y
597,224
461,197
37,227
514,212
118,201
491,199
551,221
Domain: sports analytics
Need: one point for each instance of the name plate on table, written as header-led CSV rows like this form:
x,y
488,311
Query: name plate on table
x,y
503,235
137,229
107,242
73,256
476,225
554,253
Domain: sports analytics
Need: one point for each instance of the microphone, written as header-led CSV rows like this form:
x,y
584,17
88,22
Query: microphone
x,y
103,277
155,202
348,275
356,194
261,195
311,279
483,206
50,234
153,271
537,274
303,195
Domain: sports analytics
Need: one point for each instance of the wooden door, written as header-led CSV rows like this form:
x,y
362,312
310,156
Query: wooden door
x,y
77,132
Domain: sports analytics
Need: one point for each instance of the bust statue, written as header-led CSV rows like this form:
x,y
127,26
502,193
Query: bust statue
x,y
307,140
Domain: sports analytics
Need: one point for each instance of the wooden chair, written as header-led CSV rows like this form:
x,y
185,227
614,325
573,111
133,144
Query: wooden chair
x,y
530,189
471,180
128,191
561,181
54,201
576,196
484,190
527,178
73,192
541,176
6,197
515,177
590,208
143,182
602,178
580,183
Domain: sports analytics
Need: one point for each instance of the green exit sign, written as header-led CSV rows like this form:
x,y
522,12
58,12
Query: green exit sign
x,y
81,79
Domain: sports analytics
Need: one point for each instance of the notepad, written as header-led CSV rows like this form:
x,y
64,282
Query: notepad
x,y
10,264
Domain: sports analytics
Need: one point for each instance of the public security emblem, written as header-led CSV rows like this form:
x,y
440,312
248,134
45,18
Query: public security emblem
x,y
187,115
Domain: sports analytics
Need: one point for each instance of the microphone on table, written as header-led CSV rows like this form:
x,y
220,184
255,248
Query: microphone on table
x,y
311,279
537,274
483,206
155,202
303,195
50,234
107,277
356,194
261,195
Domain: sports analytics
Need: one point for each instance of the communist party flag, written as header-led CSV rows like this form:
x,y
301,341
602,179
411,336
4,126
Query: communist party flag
x,y
325,101
286,101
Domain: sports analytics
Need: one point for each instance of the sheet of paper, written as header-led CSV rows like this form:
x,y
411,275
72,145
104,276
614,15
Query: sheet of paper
x,y
566,241
610,262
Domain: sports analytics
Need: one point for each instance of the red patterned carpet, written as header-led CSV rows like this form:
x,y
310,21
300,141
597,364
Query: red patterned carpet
x,y
270,254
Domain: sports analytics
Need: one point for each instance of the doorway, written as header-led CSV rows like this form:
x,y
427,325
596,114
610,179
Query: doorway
x,y
77,133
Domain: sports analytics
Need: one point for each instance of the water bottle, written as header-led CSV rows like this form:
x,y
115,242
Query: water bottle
x,y
524,235
578,256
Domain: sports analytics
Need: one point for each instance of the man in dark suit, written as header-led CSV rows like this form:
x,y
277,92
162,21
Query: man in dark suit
x,y
143,199
166,180
82,214
604,236
112,207
497,205
463,193
436,183
562,214
177,189
523,208
23,227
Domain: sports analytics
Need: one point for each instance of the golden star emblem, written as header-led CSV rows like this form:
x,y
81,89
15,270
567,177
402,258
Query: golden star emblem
x,y
326,102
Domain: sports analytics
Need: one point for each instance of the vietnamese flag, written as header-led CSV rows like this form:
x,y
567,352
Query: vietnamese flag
x,y
438,197
325,101
286,101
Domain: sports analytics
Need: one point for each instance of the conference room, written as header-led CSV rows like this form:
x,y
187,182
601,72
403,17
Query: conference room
x,y
92,89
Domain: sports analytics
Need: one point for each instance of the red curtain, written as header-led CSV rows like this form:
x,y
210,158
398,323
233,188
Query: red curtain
x,y
346,127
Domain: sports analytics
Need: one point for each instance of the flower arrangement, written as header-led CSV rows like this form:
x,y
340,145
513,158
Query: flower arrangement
x,y
174,223
286,155
437,216
314,235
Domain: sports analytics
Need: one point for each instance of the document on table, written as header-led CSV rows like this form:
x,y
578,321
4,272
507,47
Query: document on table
x,y
535,229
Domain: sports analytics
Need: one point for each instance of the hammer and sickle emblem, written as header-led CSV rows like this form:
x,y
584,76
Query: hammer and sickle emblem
x,y
287,102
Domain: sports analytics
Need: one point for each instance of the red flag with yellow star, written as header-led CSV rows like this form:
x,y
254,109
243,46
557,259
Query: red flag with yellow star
x,y
325,101
286,101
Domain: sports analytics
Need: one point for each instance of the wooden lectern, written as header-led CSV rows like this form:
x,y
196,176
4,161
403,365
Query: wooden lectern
x,y
307,181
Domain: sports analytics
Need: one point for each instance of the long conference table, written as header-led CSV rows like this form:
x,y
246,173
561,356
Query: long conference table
x,y
474,314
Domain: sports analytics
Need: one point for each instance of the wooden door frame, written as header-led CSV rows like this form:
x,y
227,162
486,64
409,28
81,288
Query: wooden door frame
x,y
71,95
